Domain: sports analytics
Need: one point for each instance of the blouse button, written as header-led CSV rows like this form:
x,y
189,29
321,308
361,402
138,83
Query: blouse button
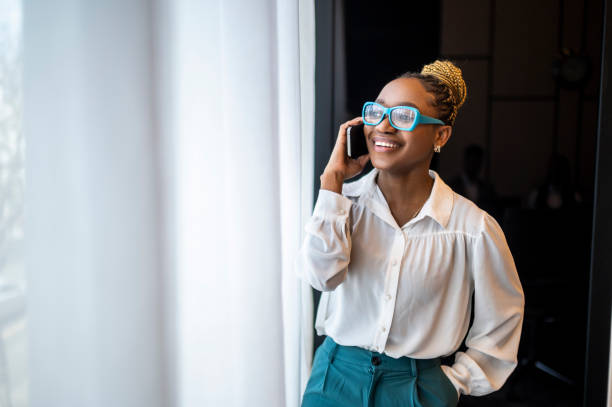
x,y
394,262
383,328
388,297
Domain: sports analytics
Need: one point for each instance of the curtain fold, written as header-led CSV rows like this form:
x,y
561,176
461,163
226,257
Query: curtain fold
x,y
243,110
295,34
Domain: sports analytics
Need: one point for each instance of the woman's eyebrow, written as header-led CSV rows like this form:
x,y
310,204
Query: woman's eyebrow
x,y
382,102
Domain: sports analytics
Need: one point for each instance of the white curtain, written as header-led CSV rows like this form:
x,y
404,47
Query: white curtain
x,y
169,173
296,56
92,205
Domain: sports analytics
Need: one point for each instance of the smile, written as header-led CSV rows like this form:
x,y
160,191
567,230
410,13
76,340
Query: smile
x,y
382,145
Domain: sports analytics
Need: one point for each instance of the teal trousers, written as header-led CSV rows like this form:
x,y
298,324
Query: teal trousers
x,y
349,376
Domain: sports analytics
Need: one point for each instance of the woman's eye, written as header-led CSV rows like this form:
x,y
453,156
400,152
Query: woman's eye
x,y
374,113
403,116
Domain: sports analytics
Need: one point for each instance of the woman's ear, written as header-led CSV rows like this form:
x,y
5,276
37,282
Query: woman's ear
x,y
443,133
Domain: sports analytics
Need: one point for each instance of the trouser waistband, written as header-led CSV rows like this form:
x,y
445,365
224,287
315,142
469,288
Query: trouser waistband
x,y
364,357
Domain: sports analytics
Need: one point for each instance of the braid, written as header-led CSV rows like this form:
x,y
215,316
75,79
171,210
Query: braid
x,y
444,80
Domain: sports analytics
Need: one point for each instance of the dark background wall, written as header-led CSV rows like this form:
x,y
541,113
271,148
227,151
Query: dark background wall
x,y
515,109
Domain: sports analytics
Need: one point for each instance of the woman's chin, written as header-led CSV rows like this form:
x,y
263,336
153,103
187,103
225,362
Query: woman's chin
x,y
382,163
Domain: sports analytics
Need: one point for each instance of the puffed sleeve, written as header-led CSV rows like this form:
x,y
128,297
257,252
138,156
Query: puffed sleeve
x,y
499,305
325,252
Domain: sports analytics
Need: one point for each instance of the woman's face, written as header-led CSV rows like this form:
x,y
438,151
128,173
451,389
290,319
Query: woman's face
x,y
411,148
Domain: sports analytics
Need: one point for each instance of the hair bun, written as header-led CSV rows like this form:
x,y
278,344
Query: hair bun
x,y
450,75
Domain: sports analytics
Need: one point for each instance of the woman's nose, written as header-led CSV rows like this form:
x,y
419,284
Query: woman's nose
x,y
385,125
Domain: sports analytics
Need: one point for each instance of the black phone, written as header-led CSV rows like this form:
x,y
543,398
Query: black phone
x,y
356,141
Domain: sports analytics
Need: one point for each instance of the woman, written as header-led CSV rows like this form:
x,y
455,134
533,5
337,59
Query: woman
x,y
398,256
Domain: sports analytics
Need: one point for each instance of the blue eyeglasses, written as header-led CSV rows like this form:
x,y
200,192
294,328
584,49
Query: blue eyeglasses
x,y
400,117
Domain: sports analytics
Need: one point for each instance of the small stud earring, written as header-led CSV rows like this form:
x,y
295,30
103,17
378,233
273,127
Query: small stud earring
x,y
437,149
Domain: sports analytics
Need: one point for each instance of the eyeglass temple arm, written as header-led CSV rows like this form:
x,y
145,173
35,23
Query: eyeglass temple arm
x,y
429,120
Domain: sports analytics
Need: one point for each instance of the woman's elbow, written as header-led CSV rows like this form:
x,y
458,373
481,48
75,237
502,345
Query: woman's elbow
x,y
324,279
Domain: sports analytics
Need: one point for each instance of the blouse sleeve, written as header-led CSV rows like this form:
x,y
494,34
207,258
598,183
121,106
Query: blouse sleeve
x,y
325,252
499,304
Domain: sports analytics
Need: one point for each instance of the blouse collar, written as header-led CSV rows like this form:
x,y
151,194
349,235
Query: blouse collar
x,y
438,206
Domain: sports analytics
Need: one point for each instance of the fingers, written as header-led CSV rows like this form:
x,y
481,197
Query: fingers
x,y
339,162
352,122
341,139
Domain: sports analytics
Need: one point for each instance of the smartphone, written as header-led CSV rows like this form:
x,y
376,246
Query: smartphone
x,y
356,141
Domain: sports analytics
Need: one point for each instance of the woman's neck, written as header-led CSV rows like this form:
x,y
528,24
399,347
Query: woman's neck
x,y
404,192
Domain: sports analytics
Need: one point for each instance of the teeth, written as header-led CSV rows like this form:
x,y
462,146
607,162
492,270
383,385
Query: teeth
x,y
383,144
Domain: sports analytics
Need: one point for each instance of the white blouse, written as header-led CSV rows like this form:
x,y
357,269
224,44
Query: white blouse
x,y
407,291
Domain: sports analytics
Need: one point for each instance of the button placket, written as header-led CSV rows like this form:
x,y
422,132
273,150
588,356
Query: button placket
x,y
397,252
386,317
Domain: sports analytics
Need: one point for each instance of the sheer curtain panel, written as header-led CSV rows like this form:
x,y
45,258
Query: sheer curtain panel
x,y
91,206
240,83
168,176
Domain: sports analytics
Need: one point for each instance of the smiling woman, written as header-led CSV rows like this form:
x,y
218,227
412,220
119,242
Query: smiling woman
x,y
399,255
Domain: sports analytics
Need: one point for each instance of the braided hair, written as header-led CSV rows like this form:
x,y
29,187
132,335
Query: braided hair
x,y
444,80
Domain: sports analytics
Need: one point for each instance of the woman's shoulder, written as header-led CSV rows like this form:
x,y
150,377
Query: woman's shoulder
x,y
469,217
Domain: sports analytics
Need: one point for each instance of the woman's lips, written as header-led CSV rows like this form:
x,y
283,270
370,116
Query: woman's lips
x,y
384,145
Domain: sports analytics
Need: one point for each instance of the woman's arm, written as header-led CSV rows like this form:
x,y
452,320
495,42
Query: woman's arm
x,y
499,304
325,253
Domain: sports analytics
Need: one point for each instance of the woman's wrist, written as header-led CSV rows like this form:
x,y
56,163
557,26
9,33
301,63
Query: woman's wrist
x,y
332,181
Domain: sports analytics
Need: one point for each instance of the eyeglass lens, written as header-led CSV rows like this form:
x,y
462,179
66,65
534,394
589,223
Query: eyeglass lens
x,y
399,117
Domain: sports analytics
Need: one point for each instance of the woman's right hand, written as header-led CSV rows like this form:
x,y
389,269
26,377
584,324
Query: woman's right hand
x,y
340,165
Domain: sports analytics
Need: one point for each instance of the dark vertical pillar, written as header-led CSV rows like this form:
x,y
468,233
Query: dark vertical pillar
x,y
600,290
490,95
324,100
324,87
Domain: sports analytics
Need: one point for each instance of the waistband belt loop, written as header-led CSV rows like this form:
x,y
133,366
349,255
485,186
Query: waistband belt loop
x,y
332,351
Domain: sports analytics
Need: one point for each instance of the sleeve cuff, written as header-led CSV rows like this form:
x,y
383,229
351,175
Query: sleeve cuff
x,y
448,372
332,205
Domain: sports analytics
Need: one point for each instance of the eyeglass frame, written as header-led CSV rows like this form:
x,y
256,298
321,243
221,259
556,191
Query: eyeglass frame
x,y
419,118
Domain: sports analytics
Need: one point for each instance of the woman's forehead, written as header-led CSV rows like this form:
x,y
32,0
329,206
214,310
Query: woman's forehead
x,y
406,92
